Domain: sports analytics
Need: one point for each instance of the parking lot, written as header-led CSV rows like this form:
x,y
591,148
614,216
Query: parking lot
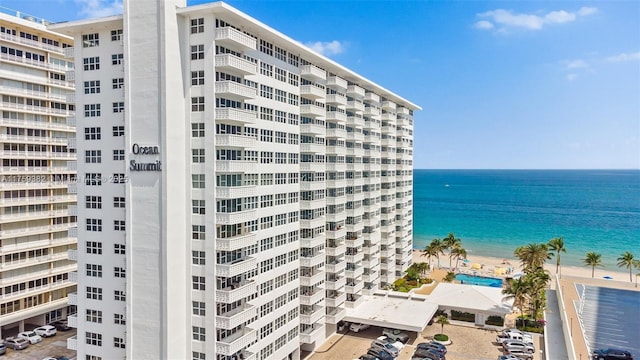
x,y
51,346
467,343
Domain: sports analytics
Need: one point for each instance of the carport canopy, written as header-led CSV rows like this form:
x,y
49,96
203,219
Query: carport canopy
x,y
393,312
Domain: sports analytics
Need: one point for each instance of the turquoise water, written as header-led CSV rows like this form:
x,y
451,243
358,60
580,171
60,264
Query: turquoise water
x,y
478,280
495,211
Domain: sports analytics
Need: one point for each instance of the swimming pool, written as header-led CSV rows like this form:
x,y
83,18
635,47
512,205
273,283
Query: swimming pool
x,y
479,280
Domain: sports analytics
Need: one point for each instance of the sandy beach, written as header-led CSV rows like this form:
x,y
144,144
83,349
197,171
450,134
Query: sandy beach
x,y
491,263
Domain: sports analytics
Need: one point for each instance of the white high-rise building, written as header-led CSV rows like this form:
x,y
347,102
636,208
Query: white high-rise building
x,y
37,210
250,190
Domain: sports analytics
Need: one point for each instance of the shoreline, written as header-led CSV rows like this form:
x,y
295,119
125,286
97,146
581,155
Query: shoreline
x,y
491,263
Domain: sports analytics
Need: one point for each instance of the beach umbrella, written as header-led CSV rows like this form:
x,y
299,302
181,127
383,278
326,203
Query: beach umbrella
x,y
475,266
517,276
466,260
499,271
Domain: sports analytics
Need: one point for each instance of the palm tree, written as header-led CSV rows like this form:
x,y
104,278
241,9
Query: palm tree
x,y
516,289
422,267
458,252
450,242
429,251
532,256
442,320
537,281
557,245
636,263
593,259
435,248
626,260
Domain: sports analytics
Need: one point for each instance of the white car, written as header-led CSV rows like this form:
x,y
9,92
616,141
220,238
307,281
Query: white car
x,y
46,330
358,327
397,344
31,336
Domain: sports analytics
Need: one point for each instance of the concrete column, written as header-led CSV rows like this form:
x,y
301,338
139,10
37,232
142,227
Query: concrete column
x,y
21,326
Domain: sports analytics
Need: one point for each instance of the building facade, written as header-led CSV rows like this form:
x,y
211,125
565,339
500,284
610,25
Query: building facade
x,y
250,191
37,207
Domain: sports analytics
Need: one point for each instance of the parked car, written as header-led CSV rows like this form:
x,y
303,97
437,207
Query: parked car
x,y
3,349
612,354
31,336
427,354
396,335
380,354
508,357
383,345
397,344
368,357
521,355
433,345
46,330
355,327
61,325
514,336
56,358
16,343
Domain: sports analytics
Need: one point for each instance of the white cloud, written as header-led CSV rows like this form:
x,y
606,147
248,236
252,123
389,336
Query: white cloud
x,y
576,64
327,48
99,8
571,76
624,57
509,19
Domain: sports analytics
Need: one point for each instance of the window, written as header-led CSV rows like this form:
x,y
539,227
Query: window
x,y
118,202
197,77
118,225
118,107
119,179
266,69
118,319
93,179
118,130
198,207
198,308
119,249
94,293
93,202
266,91
118,155
118,342
119,272
197,181
94,316
197,103
197,232
92,87
93,156
281,75
94,224
198,283
94,270
197,257
91,63
198,356
93,338
197,25
281,96
116,35
197,52
197,130
91,110
93,247
197,155
117,83
90,40
198,333
117,59
119,295
92,133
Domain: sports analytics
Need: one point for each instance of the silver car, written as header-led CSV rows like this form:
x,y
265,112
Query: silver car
x,y
383,345
520,346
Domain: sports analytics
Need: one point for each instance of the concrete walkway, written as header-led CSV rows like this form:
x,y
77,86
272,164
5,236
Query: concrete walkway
x,y
557,347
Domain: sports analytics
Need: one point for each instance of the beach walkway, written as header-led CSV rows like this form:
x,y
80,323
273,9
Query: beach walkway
x,y
556,346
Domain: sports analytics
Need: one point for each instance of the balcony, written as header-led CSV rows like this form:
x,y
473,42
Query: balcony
x,y
236,242
336,132
354,272
355,105
312,148
72,254
312,298
337,82
236,341
239,141
236,166
311,315
234,90
355,91
312,223
312,242
371,97
312,92
336,233
236,317
69,54
371,111
312,110
312,185
388,105
70,75
336,251
337,300
232,192
237,267
372,276
310,279
337,116
72,342
235,64
237,292
336,283
234,38
236,217
72,321
314,129
371,289
236,115
354,288
354,259
355,303
335,316
312,260
313,334
336,99
335,266
313,72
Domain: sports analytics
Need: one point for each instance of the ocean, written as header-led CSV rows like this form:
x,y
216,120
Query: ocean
x,y
495,211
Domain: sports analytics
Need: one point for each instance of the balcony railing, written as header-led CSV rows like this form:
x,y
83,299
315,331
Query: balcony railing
x,y
237,292
337,82
312,72
336,316
235,38
235,90
236,115
236,317
355,91
237,267
236,64
236,342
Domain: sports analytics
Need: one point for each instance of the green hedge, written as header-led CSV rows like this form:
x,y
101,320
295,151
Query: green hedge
x,y
494,320
462,316
440,337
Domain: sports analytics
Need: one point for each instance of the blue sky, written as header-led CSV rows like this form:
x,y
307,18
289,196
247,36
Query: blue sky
x,y
503,84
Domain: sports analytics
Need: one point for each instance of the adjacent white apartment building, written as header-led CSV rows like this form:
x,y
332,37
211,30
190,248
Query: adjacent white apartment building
x,y
238,190
37,210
